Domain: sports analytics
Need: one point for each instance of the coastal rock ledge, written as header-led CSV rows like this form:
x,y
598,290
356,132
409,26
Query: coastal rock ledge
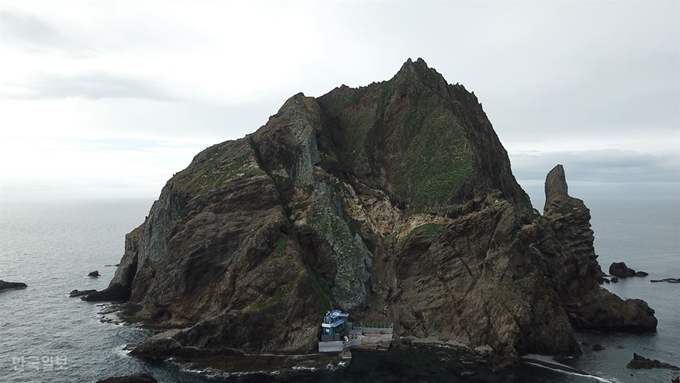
x,y
394,201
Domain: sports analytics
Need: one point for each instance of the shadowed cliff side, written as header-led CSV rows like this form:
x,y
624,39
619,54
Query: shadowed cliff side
x,y
395,201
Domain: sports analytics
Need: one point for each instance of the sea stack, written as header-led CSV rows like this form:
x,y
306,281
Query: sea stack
x,y
394,201
589,306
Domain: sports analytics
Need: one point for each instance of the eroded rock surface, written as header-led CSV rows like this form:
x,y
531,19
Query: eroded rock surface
x,y
395,201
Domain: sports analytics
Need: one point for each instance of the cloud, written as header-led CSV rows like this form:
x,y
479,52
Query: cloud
x,y
591,85
602,166
33,33
88,85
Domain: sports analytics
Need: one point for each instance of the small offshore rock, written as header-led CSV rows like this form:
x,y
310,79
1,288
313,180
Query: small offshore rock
x,y
675,378
135,378
640,361
78,293
619,269
669,280
94,274
12,285
598,347
641,274
615,279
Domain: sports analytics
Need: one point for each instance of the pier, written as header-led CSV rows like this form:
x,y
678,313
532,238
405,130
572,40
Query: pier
x,y
338,335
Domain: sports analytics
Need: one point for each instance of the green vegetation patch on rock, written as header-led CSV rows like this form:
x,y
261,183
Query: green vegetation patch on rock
x,y
221,166
436,162
348,251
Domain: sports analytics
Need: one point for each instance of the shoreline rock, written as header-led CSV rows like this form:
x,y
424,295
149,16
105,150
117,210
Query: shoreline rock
x,y
79,293
640,362
115,293
669,280
94,274
12,285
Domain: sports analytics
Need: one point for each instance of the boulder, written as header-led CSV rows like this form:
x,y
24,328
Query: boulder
x,y
12,285
135,378
619,269
615,279
93,274
640,361
641,274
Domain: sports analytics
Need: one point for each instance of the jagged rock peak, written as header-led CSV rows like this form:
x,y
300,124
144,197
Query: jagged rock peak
x,y
418,71
556,183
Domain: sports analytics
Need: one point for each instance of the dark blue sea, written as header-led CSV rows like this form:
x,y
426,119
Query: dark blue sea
x,y
45,336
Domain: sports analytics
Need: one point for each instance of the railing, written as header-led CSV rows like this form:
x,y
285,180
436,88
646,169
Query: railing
x,y
376,324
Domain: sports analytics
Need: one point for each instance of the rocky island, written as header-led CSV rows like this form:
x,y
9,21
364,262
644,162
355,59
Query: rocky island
x,y
394,201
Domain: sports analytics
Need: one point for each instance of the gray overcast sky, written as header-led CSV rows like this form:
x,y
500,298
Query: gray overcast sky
x,y
110,98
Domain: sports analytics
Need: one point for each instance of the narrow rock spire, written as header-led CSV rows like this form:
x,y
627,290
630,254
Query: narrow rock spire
x,y
556,183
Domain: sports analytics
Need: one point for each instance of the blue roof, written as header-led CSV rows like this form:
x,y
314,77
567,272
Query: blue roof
x,y
337,314
337,323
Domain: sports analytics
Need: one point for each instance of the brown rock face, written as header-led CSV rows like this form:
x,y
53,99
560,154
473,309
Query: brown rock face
x,y
394,201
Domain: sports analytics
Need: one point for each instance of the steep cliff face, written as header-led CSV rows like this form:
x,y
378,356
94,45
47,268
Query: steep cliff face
x,y
395,201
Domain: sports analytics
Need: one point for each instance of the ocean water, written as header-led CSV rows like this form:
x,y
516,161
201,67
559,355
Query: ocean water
x,y
45,336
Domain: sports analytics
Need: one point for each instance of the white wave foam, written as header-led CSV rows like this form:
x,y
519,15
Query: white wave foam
x,y
599,379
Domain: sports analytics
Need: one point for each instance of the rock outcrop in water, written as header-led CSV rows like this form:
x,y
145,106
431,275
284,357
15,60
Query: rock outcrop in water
x,y
621,270
11,285
394,201
639,362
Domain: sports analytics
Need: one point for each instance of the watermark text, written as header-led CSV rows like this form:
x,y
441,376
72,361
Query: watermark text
x,y
39,363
